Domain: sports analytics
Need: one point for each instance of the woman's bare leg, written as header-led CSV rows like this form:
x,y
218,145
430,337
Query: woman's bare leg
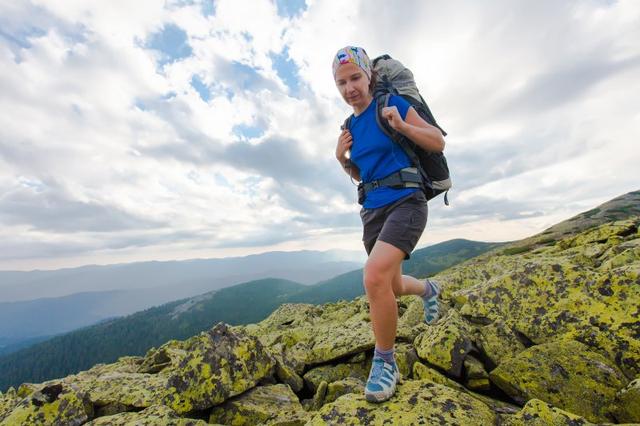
x,y
380,269
406,284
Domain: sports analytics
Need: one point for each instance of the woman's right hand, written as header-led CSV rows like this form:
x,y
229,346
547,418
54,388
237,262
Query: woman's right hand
x,y
344,144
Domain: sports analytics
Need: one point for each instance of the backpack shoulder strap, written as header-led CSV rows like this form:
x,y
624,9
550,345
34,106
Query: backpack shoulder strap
x,y
382,102
347,123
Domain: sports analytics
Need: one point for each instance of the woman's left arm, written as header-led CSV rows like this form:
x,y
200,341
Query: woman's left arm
x,y
415,128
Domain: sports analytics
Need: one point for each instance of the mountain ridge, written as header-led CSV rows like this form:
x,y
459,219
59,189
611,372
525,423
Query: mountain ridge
x,y
544,330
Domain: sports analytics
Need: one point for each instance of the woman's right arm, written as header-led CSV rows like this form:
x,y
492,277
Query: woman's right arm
x,y
344,144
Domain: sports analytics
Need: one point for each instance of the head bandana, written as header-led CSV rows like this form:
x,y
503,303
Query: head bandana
x,y
354,55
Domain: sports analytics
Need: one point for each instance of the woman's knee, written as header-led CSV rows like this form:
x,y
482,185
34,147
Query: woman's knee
x,y
375,277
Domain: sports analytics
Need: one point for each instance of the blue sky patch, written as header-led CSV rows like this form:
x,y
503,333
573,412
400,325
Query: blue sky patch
x,y
201,88
290,8
208,7
172,42
249,131
139,103
287,70
246,77
22,38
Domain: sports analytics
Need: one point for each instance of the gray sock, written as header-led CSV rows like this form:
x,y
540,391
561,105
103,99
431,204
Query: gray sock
x,y
387,356
428,290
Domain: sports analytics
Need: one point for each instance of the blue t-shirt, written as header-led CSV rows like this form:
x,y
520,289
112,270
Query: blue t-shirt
x,y
376,155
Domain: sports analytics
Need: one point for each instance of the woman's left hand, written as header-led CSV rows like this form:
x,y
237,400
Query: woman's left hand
x,y
393,117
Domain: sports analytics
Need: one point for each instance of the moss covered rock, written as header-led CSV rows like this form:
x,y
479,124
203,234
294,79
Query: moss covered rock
x,y
151,416
342,387
308,334
8,401
264,405
565,374
51,405
476,377
286,373
627,404
415,402
540,413
331,373
446,344
194,374
574,289
423,372
217,364
406,356
497,342
410,318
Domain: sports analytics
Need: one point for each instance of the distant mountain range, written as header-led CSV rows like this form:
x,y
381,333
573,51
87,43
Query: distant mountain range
x,y
240,304
101,292
196,275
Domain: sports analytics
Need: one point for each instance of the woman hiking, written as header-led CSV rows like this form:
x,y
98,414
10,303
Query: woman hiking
x,y
393,218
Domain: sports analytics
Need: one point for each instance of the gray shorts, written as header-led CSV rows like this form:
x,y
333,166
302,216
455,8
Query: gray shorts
x,y
400,223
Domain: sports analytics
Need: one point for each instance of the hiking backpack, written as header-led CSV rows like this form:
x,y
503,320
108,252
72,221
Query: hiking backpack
x,y
430,171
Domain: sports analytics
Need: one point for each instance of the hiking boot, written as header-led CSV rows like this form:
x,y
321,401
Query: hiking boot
x,y
431,306
381,384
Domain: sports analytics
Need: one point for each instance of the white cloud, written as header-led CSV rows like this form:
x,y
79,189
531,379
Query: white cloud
x,y
539,99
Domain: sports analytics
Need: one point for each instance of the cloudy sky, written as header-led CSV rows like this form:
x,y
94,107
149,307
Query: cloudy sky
x,y
180,129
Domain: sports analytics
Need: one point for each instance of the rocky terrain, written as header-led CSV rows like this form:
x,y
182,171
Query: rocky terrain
x,y
545,331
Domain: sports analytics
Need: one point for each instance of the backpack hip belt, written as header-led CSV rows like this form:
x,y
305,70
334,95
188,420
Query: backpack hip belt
x,y
409,177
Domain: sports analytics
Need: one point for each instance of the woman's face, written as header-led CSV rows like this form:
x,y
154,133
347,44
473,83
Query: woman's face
x,y
353,85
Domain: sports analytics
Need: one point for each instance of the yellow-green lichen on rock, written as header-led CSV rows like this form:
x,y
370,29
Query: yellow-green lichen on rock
x,y
317,334
498,341
565,374
218,364
422,372
446,344
559,291
151,416
263,405
331,373
476,378
286,373
627,404
406,356
51,405
8,401
539,413
410,318
342,387
415,402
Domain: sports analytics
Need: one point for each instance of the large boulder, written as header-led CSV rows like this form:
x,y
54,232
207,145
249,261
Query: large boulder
x,y
342,387
189,375
8,401
584,286
627,405
415,402
214,366
331,373
151,416
497,342
264,405
317,334
423,372
446,344
540,413
565,374
57,404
